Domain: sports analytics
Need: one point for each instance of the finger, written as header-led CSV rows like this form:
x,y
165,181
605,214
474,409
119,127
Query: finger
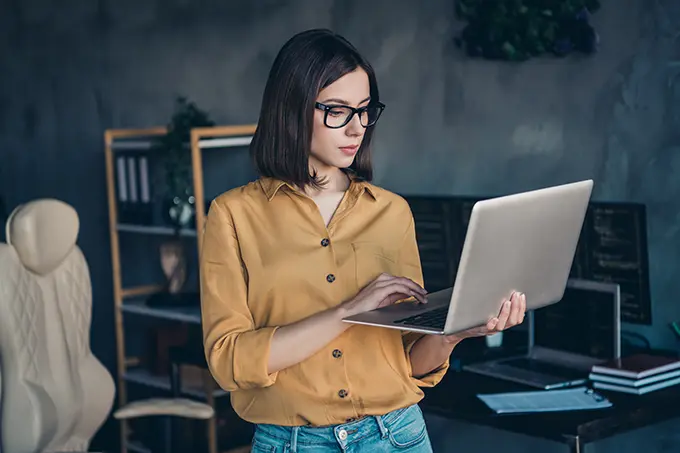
x,y
398,288
392,298
403,281
491,325
380,281
515,310
503,316
411,284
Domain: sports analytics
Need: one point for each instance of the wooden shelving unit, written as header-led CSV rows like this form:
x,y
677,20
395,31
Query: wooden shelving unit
x,y
131,300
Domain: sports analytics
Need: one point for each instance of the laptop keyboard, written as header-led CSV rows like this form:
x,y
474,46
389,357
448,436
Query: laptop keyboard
x,y
433,319
542,367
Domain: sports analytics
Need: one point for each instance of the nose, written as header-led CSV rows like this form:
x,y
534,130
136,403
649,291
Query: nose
x,y
354,127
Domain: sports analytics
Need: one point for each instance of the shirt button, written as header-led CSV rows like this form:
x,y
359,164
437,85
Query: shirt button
x,y
337,353
342,434
330,278
325,242
342,393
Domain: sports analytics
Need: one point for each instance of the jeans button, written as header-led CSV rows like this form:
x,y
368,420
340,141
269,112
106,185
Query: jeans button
x,y
342,434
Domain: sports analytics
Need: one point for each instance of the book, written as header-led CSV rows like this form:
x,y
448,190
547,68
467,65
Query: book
x,y
637,366
637,390
630,382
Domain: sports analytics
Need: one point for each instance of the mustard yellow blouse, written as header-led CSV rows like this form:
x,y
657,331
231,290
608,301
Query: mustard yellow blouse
x,y
268,260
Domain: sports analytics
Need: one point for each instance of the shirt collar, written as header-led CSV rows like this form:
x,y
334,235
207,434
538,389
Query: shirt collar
x,y
271,186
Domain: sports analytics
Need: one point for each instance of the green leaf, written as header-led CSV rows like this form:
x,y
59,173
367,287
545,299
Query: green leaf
x,y
517,29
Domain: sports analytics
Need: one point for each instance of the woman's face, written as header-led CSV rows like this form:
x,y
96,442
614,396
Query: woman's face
x,y
336,148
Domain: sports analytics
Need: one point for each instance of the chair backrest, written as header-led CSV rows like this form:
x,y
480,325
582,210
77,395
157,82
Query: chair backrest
x,y
55,393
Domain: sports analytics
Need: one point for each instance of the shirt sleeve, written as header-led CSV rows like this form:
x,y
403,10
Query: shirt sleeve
x,y
409,260
237,353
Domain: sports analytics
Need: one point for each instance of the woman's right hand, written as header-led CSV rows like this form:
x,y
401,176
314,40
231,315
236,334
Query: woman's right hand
x,y
384,290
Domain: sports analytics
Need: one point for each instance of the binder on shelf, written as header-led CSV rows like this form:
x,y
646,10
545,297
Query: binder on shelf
x,y
133,188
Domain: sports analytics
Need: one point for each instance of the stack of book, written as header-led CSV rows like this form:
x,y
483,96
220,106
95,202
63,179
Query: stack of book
x,y
637,374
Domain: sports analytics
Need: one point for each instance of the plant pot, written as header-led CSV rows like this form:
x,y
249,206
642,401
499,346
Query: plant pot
x,y
179,211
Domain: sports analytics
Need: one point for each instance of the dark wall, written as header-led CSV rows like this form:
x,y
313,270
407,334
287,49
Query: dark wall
x,y
70,69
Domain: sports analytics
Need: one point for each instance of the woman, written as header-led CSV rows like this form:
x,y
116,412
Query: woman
x,y
285,258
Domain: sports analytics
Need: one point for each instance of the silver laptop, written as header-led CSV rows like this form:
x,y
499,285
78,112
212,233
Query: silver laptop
x,y
523,242
565,339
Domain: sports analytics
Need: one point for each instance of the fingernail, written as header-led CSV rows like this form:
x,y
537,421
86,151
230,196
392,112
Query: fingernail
x,y
507,303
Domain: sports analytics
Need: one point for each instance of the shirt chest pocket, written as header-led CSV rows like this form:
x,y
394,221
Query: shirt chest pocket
x,y
371,260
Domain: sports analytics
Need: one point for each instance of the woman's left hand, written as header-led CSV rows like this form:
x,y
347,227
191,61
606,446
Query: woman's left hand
x,y
511,314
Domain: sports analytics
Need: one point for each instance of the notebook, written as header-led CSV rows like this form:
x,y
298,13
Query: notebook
x,y
637,390
637,366
577,398
635,383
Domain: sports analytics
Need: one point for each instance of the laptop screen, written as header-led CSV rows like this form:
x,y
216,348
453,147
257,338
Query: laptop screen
x,y
583,322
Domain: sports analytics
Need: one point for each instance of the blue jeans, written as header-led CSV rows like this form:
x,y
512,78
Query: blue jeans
x,y
402,430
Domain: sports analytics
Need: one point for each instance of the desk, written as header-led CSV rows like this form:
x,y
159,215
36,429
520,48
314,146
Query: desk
x,y
455,398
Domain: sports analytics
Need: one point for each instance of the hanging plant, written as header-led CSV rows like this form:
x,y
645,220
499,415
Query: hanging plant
x,y
517,30
175,153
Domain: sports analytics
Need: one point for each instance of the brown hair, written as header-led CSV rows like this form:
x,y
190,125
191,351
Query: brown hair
x,y
307,63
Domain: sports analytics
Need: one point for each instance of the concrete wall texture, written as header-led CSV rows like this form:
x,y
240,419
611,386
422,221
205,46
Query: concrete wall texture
x,y
70,69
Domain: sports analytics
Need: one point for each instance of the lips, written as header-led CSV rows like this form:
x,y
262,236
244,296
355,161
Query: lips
x,y
352,149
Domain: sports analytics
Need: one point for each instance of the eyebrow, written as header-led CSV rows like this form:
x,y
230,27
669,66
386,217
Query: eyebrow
x,y
342,101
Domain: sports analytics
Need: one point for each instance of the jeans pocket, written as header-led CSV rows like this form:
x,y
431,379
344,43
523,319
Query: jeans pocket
x,y
409,429
259,446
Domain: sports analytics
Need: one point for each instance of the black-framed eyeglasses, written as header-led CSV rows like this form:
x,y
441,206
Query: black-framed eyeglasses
x,y
337,116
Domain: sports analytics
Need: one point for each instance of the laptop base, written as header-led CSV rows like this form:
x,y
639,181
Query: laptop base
x,y
531,371
428,318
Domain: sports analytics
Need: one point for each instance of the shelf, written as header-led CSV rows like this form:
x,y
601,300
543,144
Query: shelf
x,y
141,376
190,314
134,145
139,143
224,142
151,229
206,143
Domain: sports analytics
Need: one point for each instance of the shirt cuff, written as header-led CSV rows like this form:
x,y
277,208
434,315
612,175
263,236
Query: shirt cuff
x,y
251,358
433,377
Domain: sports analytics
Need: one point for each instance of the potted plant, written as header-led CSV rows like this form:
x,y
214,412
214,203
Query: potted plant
x,y
173,149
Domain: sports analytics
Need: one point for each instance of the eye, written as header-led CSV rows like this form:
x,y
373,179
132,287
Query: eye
x,y
336,112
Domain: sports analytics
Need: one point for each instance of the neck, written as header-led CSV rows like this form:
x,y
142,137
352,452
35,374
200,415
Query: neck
x,y
336,181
